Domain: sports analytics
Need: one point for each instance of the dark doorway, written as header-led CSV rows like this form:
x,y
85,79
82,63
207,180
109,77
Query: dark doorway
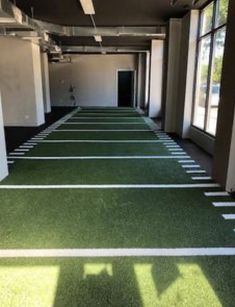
x,y
126,88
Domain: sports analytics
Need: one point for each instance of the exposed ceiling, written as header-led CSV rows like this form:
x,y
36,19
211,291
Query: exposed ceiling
x,y
108,12
122,23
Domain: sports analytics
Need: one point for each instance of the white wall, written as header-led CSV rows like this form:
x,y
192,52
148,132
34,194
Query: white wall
x,y
20,82
156,78
45,83
3,156
93,76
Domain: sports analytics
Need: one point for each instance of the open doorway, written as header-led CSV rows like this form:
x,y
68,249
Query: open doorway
x,y
125,88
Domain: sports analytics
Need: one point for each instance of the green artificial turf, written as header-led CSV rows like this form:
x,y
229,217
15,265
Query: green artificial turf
x,y
138,282
89,114
111,218
98,149
91,218
124,171
103,135
140,126
104,120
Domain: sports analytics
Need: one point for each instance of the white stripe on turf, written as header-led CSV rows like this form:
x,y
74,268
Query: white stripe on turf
x,y
117,252
104,117
100,141
186,161
196,172
10,162
190,166
112,186
21,149
16,154
30,143
104,123
97,157
216,194
202,178
102,130
26,146
223,204
175,149
229,216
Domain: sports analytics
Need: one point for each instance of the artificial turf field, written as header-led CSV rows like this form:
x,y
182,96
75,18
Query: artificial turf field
x,y
119,188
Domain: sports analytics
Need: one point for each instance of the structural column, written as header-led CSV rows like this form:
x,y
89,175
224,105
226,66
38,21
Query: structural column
x,y
45,83
156,77
224,158
21,82
3,155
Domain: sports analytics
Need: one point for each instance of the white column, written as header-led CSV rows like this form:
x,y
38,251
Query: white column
x,y
156,77
173,70
45,83
147,75
3,154
21,82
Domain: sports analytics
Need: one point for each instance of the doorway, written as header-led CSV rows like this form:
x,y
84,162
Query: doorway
x,y
126,88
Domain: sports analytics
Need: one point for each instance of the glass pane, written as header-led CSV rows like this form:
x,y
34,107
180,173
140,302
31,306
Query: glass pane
x,y
202,82
217,64
207,19
222,12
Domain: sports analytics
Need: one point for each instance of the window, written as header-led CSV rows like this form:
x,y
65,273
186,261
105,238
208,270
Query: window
x,y
211,42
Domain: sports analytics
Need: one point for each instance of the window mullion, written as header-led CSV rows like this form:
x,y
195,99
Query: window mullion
x,y
208,94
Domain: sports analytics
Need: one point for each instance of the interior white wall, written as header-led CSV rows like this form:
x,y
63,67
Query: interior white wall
x,y
156,78
230,184
94,78
20,82
45,83
187,72
3,155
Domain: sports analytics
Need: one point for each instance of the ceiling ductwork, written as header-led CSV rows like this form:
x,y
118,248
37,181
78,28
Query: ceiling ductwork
x,y
14,22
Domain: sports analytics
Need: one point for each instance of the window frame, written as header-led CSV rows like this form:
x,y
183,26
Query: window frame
x,y
212,33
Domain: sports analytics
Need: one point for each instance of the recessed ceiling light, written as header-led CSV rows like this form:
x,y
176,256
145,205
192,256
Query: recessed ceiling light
x,y
88,7
98,38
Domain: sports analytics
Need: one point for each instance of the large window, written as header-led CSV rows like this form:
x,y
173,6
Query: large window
x,y
211,41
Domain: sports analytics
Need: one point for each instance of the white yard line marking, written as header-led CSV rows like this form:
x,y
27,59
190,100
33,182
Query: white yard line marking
x,y
102,130
196,172
16,154
104,117
229,216
26,146
37,139
190,166
30,143
10,162
104,123
209,194
223,204
202,178
21,150
179,153
117,252
172,146
100,141
186,161
175,149
96,157
111,186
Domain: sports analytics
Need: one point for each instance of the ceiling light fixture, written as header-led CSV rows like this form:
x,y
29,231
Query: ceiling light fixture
x,y
98,38
88,7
